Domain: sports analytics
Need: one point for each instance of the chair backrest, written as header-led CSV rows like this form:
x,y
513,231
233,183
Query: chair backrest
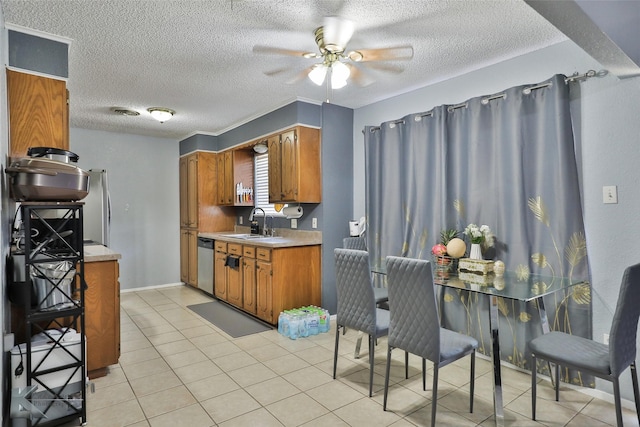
x,y
356,300
357,243
624,328
414,324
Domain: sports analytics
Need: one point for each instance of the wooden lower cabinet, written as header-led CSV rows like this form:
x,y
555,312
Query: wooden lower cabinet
x,y
276,279
102,316
264,291
220,271
189,256
249,280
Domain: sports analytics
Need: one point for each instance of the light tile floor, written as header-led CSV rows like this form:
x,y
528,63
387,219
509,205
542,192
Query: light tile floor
x,y
177,369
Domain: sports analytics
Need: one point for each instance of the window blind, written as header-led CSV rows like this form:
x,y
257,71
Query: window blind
x,y
261,184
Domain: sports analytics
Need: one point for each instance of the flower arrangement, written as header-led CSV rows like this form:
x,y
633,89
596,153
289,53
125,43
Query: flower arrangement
x,y
479,235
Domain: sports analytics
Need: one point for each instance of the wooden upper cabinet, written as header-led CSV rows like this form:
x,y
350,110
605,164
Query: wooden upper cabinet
x,y
295,166
234,167
38,112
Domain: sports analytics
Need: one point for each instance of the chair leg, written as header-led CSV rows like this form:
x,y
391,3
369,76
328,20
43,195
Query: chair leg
x,y
372,347
636,394
406,365
335,353
386,378
616,398
557,382
472,380
533,386
424,375
434,396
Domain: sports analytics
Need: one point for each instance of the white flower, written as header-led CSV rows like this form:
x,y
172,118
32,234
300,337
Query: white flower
x,y
479,234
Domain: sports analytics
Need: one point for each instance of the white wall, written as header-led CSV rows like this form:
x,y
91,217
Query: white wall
x,y
607,132
143,181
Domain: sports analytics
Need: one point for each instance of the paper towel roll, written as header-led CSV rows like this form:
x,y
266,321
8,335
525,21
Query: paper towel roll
x,y
292,211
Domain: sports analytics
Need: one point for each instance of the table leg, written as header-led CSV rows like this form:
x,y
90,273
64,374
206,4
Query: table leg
x,y
495,356
356,355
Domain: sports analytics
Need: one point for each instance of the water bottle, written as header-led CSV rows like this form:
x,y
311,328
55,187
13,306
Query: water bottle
x,y
328,316
323,321
304,324
280,322
294,328
314,322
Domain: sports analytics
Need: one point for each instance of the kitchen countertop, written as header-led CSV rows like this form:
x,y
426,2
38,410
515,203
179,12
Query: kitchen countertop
x,y
284,238
94,253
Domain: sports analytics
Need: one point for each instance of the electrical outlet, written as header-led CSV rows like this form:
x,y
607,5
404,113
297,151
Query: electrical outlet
x,y
294,223
609,194
314,222
240,220
605,339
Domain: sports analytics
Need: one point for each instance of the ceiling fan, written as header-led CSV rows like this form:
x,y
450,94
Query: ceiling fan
x,y
337,64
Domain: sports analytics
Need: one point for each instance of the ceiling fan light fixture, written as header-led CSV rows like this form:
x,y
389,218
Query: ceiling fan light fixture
x,y
161,114
318,74
339,75
337,33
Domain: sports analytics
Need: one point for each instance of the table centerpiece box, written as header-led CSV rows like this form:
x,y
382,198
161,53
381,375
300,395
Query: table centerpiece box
x,y
481,266
475,278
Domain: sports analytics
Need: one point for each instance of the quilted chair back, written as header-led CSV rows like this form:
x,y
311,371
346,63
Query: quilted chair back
x,y
357,243
624,328
414,324
356,301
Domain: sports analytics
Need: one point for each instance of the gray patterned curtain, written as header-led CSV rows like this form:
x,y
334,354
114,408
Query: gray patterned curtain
x,y
505,160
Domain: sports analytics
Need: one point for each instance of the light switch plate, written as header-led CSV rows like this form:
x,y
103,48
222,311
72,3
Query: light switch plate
x,y
314,222
294,223
240,220
609,194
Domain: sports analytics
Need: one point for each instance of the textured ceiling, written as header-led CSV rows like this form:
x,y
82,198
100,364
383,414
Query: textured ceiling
x,y
196,56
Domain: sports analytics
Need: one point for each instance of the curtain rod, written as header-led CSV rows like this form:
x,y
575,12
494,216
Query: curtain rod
x,y
575,77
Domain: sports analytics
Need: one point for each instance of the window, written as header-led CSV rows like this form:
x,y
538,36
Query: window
x,y
261,184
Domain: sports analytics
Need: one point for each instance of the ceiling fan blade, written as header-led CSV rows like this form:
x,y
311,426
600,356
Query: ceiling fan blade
x,y
300,76
277,71
359,77
337,32
398,53
395,69
268,50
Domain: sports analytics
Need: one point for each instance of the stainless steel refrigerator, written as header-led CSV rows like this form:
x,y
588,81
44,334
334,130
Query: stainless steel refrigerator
x,y
97,208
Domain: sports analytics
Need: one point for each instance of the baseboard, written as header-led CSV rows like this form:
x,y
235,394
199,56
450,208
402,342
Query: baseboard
x,y
144,288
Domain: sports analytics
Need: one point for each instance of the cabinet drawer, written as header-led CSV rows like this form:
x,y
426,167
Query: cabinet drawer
x,y
263,254
249,251
221,246
234,248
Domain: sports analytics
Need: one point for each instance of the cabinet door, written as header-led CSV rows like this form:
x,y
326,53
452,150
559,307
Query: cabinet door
x,y
234,285
275,169
184,256
249,285
38,113
289,166
220,275
193,257
220,179
264,291
184,203
229,188
192,190
102,315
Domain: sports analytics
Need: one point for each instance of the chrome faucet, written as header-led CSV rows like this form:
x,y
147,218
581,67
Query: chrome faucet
x,y
264,218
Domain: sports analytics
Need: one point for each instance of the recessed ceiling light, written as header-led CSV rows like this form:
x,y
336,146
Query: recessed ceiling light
x,y
124,111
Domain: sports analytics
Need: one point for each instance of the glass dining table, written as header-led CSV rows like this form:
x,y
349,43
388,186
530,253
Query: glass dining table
x,y
520,287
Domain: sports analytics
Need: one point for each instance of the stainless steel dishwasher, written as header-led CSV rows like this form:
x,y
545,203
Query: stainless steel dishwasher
x,y
205,264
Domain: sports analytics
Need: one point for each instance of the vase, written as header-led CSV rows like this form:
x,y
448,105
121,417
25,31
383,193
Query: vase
x,y
476,252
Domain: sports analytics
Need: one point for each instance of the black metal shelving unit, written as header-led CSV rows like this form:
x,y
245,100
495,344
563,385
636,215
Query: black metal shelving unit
x,y
52,300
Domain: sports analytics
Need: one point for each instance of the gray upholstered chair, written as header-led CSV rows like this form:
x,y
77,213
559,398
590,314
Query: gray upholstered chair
x,y
600,360
358,243
356,302
415,324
